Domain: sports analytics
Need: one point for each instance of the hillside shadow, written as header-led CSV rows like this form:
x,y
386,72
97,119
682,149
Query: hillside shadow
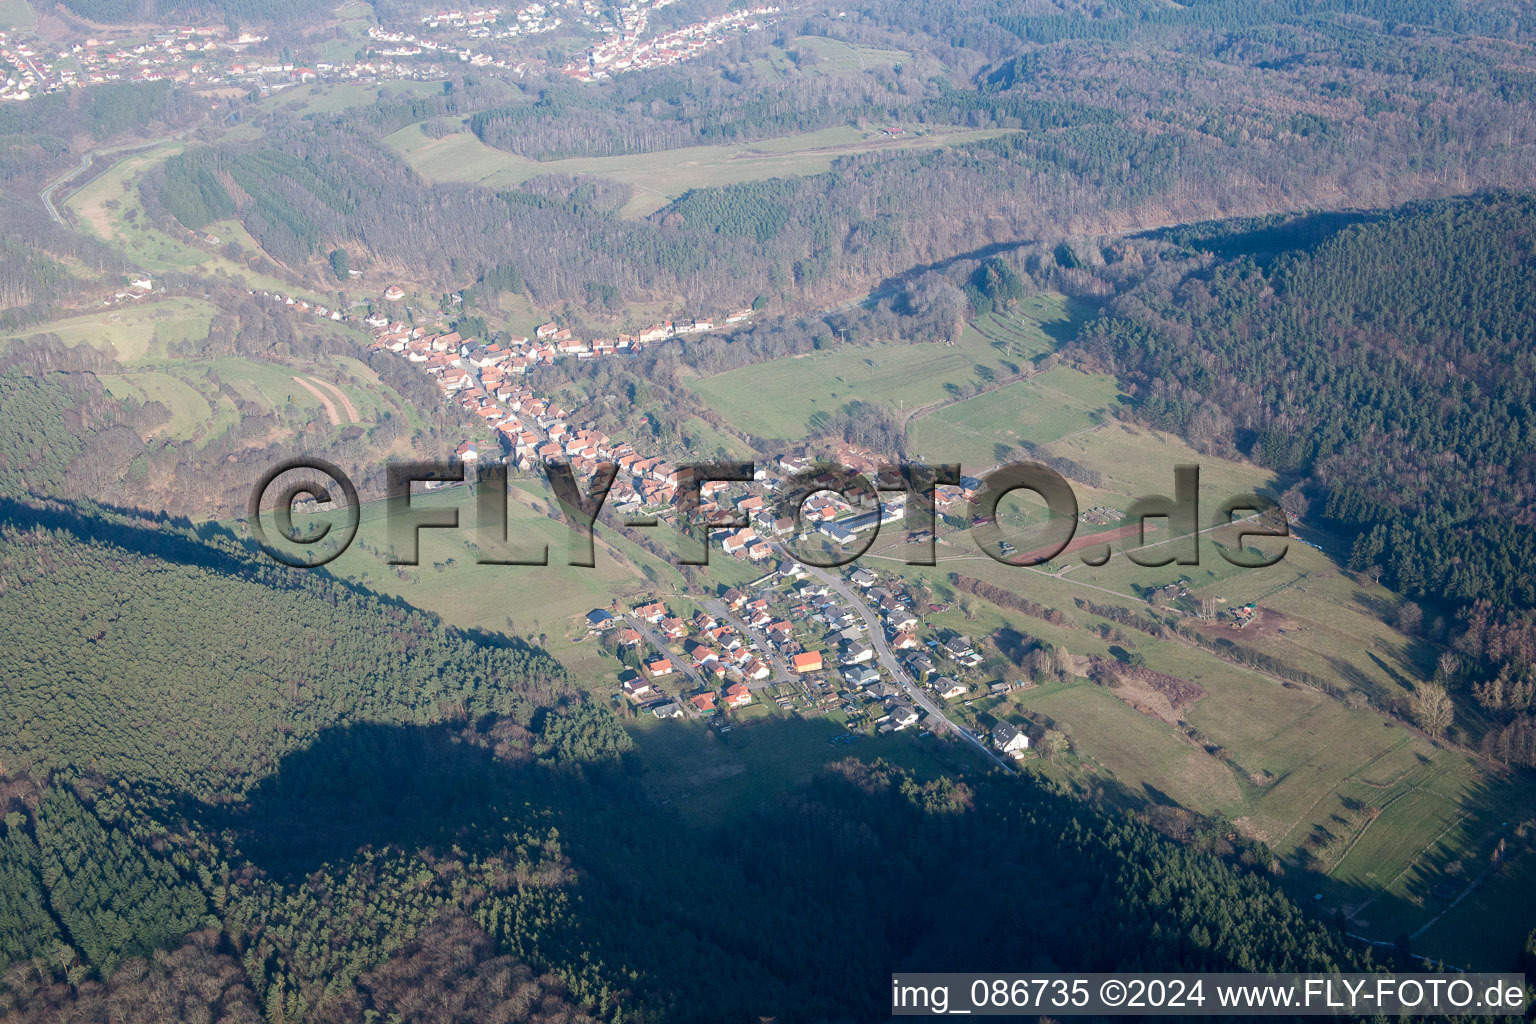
x,y
150,534
896,282
372,785
849,876
1264,239
1396,676
1350,673
459,786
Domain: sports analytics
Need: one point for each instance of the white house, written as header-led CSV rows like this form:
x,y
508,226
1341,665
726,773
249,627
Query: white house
x,y
1010,739
949,688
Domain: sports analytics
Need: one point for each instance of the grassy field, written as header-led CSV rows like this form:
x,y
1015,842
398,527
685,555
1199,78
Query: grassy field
x,y
661,177
824,56
308,100
16,16
190,410
505,598
1366,815
203,394
788,397
355,17
1476,931
1135,462
1137,751
819,56
134,332
984,430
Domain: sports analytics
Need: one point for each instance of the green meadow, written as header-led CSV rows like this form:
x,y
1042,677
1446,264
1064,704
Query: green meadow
x,y
658,178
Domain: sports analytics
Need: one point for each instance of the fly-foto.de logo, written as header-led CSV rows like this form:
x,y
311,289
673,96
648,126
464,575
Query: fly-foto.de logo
x,y
824,515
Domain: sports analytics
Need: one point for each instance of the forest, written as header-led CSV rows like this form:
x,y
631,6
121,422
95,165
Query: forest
x,y
233,12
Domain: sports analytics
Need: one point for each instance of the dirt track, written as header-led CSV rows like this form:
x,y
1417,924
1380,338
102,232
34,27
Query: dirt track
x,y
346,402
330,407
1082,541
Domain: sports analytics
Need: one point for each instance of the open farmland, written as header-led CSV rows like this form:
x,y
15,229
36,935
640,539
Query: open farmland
x,y
984,430
205,396
190,411
108,206
1325,779
661,177
309,100
451,583
788,397
16,15
132,332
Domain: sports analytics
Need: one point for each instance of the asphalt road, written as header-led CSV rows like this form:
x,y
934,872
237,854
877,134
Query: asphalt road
x,y
781,674
888,659
47,193
656,640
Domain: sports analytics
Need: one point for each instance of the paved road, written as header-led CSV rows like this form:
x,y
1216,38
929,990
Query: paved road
x,y
888,659
781,674
659,642
85,162
47,193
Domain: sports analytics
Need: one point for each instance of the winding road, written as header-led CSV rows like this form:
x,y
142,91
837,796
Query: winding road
x,y
47,193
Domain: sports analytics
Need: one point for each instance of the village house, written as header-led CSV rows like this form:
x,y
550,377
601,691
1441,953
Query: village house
x,y
857,653
862,675
636,687
1010,739
809,661
652,613
949,688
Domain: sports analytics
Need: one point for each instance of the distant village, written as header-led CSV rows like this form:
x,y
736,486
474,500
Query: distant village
x,y
211,56
200,57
